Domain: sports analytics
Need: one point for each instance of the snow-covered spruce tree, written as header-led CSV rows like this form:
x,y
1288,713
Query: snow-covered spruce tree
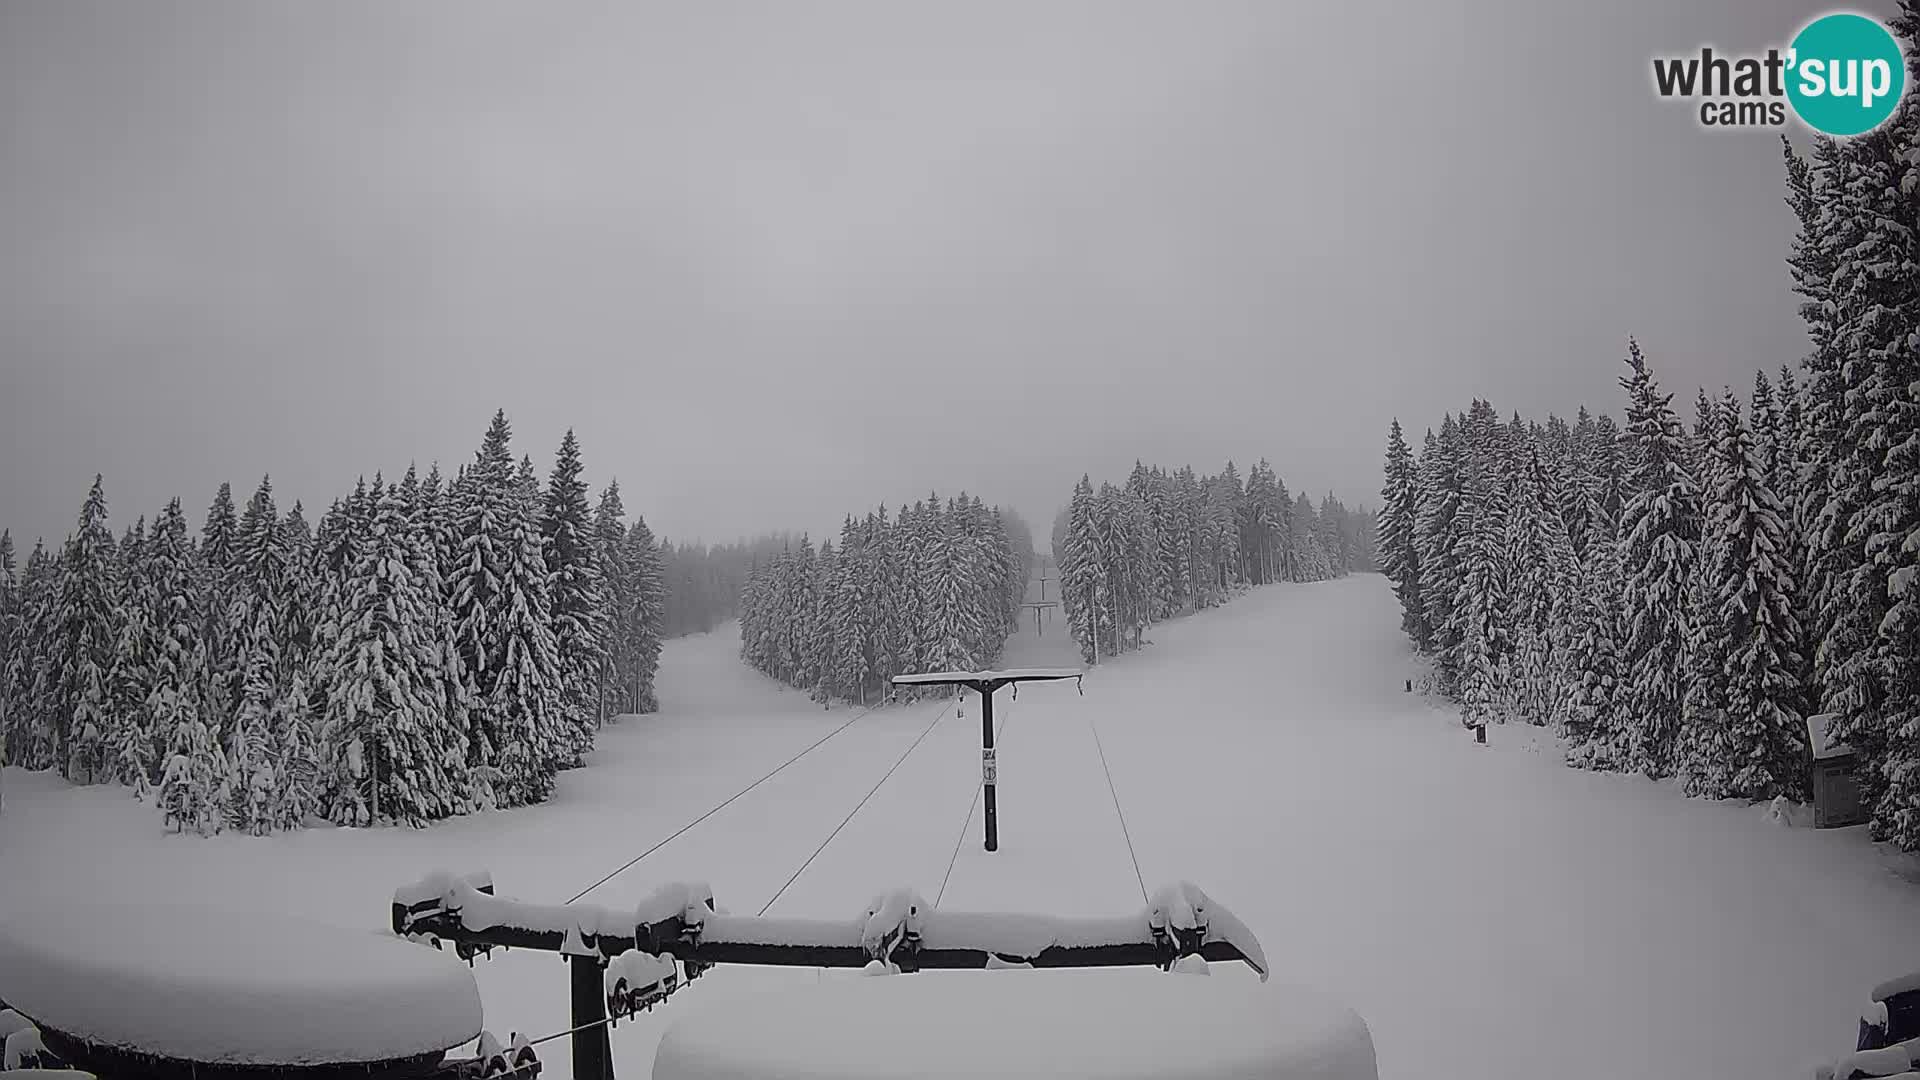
x,y
1173,588
1316,562
193,786
1596,731
1333,526
1610,476
1005,578
447,683
330,566
798,612
575,599
11,643
1225,496
802,614
618,608
297,795
1819,433
1443,517
1484,599
261,560
131,750
1257,515
483,506
1121,541
168,606
401,761
253,778
891,615
1540,566
1894,515
1660,530
1851,325
1400,558
190,767
1024,548
223,669
29,735
951,608
1845,614
1771,447
1080,573
1116,539
1197,586
88,626
299,609
850,631
32,615
829,568
1703,704
1758,752
646,628
503,626
754,612
1204,573
1578,486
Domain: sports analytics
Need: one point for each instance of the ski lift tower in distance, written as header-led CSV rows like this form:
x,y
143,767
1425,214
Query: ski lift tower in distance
x,y
985,683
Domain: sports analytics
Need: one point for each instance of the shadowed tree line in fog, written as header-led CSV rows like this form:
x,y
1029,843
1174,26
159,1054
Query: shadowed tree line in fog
x,y
1167,543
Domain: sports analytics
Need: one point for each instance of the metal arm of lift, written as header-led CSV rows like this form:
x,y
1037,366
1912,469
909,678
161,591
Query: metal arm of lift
x,y
899,930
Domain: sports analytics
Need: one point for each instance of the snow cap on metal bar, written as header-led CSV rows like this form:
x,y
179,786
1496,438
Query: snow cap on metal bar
x,y
1012,675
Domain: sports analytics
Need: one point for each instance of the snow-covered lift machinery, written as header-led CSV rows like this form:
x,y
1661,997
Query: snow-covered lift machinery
x,y
625,961
162,991
985,683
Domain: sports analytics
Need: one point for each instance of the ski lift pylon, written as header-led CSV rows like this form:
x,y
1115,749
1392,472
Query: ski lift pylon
x,y
985,683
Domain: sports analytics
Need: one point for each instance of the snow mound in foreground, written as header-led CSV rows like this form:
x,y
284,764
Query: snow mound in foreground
x,y
1113,1023
232,987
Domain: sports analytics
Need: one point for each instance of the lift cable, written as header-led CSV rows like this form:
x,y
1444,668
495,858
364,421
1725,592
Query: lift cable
x,y
941,715
1121,814
729,801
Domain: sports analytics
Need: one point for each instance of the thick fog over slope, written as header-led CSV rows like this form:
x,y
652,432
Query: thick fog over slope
x,y
774,262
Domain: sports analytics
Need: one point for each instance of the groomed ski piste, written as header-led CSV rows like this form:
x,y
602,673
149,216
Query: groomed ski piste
x,y
1489,913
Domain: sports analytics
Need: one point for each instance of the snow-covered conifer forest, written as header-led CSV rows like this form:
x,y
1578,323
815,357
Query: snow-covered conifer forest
x,y
1677,597
938,588
1168,543
428,647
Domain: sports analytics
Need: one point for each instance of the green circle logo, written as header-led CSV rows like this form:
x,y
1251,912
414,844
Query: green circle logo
x,y
1847,74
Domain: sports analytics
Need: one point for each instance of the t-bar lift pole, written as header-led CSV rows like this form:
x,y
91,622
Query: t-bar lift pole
x,y
985,683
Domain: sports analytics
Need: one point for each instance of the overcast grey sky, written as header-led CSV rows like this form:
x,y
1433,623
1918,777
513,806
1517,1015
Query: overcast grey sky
x,y
778,261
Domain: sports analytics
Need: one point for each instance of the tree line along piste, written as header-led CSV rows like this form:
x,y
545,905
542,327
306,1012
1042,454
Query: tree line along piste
x,y
1679,602
429,648
938,588
1170,542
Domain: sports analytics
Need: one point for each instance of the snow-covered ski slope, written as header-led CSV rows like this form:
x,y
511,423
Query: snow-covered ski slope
x,y
1490,913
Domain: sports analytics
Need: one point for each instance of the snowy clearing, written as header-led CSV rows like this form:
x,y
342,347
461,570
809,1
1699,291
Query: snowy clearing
x,y
1481,908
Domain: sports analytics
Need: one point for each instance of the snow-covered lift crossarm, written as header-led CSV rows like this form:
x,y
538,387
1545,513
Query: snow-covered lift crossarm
x,y
897,932
985,683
